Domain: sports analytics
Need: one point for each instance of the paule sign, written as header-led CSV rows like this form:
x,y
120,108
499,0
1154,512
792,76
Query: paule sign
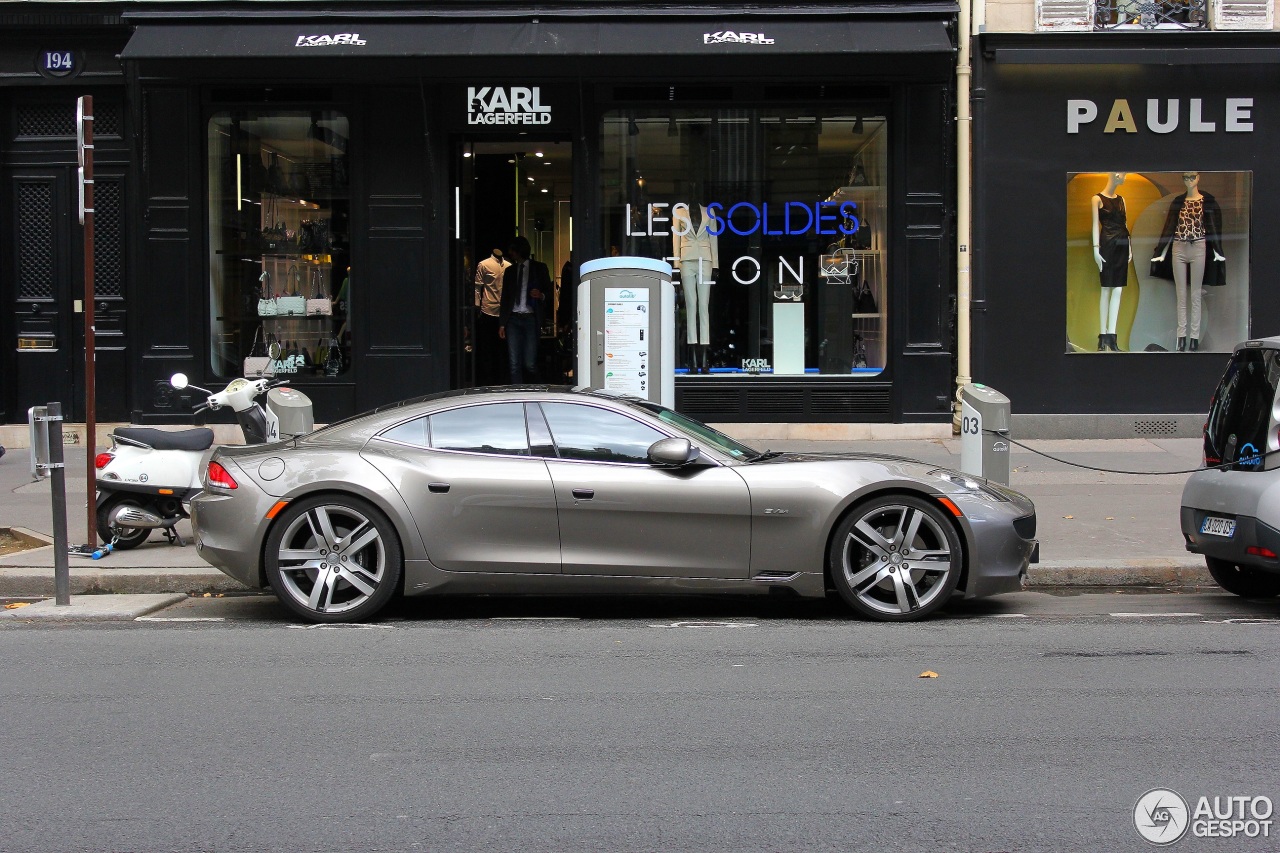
x,y
1164,115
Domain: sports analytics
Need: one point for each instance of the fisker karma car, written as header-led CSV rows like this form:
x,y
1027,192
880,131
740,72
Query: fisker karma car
x,y
552,490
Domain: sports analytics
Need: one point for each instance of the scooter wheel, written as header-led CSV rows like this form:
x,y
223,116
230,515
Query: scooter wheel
x,y
130,537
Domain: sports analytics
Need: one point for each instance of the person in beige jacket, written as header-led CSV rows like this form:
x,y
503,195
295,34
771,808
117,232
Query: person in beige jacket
x,y
697,252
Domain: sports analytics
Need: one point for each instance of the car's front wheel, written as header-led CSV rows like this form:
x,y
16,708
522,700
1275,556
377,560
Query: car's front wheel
x,y
1244,581
896,558
333,558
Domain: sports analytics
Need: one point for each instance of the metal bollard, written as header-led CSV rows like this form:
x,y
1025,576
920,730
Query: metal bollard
x,y
47,461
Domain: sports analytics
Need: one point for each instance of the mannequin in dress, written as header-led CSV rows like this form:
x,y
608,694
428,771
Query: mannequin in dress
x,y
697,252
1193,224
1112,252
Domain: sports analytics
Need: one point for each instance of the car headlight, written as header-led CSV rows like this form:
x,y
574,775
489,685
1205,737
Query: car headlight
x,y
969,483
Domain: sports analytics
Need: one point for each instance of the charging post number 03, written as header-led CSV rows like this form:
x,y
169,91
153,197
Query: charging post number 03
x,y
971,425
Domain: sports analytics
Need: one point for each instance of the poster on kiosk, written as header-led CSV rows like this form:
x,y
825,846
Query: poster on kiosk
x,y
626,328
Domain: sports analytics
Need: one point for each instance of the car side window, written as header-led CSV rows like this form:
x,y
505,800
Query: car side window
x,y
497,428
593,434
410,432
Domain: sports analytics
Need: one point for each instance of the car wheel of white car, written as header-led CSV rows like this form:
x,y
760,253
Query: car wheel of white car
x,y
333,558
1244,581
896,558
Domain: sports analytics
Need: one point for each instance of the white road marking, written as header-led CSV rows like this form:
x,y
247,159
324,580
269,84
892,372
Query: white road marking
x,y
534,619
1242,621
1142,615
708,625
179,619
1008,615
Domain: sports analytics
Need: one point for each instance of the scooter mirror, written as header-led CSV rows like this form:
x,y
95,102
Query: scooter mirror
x,y
178,381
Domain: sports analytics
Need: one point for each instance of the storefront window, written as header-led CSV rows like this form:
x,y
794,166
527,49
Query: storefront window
x,y
1157,261
279,273
776,224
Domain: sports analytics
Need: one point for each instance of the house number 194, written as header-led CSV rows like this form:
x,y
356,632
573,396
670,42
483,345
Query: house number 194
x,y
57,63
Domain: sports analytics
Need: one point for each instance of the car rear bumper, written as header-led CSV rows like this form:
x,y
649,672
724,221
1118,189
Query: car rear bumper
x,y
1249,533
229,531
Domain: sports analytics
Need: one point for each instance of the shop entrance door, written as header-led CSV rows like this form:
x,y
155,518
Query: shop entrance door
x,y
504,189
45,263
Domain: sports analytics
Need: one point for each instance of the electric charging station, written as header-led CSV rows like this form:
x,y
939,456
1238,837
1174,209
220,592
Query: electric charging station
x,y
984,433
627,328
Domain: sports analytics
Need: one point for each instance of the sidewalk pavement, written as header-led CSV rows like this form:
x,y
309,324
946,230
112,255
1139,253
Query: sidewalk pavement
x,y
1095,529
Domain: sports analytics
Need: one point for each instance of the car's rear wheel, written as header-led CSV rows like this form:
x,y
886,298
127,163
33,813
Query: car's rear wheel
x,y
1244,581
896,558
333,558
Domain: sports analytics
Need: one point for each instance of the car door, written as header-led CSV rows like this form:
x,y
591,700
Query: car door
x,y
620,515
480,500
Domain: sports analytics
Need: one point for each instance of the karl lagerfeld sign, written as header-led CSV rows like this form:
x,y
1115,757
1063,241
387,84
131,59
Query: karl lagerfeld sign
x,y
506,105
329,40
730,37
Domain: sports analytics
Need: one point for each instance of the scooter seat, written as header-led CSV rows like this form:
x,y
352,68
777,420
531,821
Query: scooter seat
x,y
200,438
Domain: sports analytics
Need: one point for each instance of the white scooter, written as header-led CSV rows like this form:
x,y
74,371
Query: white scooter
x,y
148,475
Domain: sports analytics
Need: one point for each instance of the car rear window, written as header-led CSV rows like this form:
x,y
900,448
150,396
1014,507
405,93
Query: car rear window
x,y
1240,413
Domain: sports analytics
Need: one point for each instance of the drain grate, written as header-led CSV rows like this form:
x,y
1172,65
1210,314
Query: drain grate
x,y
1155,427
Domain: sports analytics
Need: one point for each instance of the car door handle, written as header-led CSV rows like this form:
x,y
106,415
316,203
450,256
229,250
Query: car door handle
x,y
438,488
584,494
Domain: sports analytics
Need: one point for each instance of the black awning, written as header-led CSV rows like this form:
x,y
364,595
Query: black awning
x,y
348,38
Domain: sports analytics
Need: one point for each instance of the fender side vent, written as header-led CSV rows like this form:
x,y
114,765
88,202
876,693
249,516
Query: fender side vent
x,y
775,576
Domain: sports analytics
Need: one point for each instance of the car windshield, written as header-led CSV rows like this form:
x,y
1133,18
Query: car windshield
x,y
699,430
1241,409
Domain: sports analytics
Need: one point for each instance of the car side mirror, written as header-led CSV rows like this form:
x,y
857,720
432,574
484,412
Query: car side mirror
x,y
675,452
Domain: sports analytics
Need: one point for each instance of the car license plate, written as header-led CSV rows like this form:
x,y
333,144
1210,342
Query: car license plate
x,y
1215,526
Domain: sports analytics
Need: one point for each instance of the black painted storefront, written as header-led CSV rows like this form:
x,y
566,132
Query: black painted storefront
x,y
405,103
1024,153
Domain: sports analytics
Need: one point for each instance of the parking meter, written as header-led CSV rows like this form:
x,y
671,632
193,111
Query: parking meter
x,y
984,433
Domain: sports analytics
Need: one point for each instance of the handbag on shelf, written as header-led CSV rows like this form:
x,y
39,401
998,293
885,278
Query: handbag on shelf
x,y
266,298
292,303
318,304
864,301
257,361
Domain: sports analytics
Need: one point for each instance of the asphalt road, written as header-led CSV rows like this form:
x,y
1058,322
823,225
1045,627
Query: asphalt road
x,y
564,725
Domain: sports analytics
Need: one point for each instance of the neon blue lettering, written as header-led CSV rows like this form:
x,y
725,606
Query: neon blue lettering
x,y
754,226
849,212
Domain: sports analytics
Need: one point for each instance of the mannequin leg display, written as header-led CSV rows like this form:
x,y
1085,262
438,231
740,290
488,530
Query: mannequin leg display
x,y
1113,315
1109,313
689,284
1180,290
704,321
1195,292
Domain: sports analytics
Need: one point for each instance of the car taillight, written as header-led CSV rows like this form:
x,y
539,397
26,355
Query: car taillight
x,y
218,476
1255,551
102,460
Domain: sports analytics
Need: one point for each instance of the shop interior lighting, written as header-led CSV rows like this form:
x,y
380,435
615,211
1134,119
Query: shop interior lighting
x,y
544,189
537,154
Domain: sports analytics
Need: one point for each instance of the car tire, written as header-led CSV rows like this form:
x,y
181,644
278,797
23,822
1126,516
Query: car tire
x,y
333,558
1243,581
895,558
129,537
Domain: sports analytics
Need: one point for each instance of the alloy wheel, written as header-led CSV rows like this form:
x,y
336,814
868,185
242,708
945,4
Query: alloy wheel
x,y
332,559
899,559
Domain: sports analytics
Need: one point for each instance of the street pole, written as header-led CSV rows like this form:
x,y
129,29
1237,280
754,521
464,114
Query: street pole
x,y
58,487
964,203
84,132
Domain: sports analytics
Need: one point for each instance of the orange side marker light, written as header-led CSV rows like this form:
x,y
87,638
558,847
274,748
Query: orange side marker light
x,y
275,509
951,507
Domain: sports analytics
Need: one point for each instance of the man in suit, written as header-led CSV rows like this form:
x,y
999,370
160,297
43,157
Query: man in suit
x,y
525,285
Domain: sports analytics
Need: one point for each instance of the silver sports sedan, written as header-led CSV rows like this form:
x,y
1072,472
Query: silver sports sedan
x,y
552,490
